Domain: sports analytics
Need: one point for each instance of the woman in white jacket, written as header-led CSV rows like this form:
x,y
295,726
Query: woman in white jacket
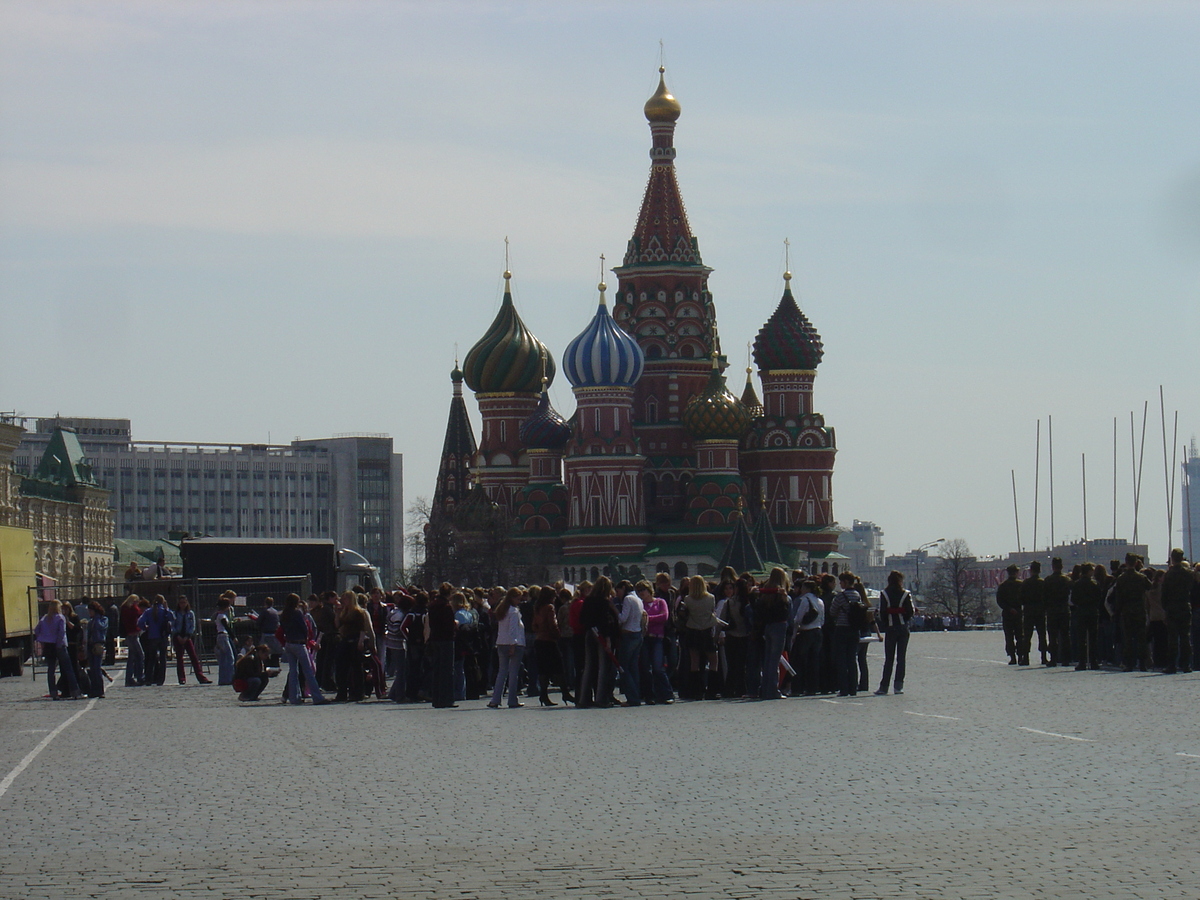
x,y
510,647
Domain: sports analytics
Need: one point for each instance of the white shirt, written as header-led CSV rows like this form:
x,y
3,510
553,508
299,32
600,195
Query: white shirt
x,y
631,613
810,600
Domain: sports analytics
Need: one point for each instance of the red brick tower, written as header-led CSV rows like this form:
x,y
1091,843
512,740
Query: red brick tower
x,y
604,467
663,300
504,369
788,455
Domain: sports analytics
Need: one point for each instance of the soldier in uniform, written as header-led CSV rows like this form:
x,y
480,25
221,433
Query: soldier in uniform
x,y
1129,599
1176,601
1058,614
1033,613
1008,598
1086,599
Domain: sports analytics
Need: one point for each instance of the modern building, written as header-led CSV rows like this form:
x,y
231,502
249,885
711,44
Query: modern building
x,y
1100,551
347,488
660,460
366,497
862,545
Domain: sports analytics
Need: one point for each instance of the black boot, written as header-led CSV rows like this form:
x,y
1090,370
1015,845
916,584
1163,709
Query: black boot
x,y
715,681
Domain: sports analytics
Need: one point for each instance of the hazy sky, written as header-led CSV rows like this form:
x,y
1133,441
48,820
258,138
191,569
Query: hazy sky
x,y
229,221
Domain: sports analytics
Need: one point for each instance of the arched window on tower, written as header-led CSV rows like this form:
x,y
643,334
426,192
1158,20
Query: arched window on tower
x,y
687,351
651,411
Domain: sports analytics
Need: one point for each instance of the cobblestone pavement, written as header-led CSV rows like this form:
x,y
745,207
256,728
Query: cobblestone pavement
x,y
982,780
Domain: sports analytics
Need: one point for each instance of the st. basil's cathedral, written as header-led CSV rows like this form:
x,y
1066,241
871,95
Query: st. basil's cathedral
x,y
662,467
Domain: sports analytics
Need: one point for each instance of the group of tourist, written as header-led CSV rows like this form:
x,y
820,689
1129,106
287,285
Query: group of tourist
x,y
1126,615
76,648
651,642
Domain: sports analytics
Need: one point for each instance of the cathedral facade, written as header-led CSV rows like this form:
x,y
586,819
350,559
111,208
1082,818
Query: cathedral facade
x,y
661,467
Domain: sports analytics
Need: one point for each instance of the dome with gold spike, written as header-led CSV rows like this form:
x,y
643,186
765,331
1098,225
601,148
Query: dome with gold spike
x,y
750,396
714,413
508,358
787,340
545,429
662,106
603,354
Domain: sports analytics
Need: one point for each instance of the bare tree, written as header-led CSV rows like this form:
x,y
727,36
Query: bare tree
x,y
956,588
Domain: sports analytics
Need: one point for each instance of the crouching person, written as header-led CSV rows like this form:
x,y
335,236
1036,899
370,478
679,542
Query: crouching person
x,y
251,674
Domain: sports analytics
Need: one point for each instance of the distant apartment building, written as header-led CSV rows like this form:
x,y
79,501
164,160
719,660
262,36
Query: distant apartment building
x,y
348,488
862,545
1100,551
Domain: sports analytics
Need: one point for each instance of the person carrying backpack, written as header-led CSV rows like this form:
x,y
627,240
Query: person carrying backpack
x,y
846,611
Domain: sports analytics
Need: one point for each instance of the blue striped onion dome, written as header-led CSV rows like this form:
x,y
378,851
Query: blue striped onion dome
x,y
545,429
508,358
714,413
604,355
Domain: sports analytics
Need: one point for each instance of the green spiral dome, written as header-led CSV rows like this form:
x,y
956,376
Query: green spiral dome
x,y
508,358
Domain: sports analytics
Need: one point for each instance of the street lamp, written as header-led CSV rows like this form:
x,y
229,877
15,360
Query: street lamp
x,y
917,553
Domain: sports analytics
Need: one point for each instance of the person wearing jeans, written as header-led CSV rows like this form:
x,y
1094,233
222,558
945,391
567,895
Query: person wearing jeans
x,y
657,613
294,625
771,615
510,647
223,625
135,661
184,634
51,633
157,622
896,606
845,636
629,651
809,616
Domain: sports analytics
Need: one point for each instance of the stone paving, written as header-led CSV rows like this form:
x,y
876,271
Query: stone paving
x,y
981,781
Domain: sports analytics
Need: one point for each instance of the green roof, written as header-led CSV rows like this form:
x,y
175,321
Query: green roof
x,y
145,552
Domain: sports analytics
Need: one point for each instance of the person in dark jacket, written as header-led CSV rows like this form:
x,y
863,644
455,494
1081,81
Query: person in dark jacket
x,y
896,611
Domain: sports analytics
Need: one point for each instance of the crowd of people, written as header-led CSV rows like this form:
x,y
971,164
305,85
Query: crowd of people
x,y
649,642
1127,615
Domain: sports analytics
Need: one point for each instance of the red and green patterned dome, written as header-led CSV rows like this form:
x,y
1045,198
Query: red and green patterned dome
x,y
714,413
787,340
508,358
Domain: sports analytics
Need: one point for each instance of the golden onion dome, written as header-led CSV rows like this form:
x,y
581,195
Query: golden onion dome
x,y
714,413
662,107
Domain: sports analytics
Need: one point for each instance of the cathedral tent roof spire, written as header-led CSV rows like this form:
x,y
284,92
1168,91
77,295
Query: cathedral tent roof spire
x,y
662,235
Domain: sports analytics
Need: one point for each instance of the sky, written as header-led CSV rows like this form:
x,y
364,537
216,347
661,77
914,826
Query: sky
x,y
259,221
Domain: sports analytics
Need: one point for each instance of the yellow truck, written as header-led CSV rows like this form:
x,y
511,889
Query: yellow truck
x,y
17,611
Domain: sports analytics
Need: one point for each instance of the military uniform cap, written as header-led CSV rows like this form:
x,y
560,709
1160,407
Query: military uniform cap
x,y
1013,567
